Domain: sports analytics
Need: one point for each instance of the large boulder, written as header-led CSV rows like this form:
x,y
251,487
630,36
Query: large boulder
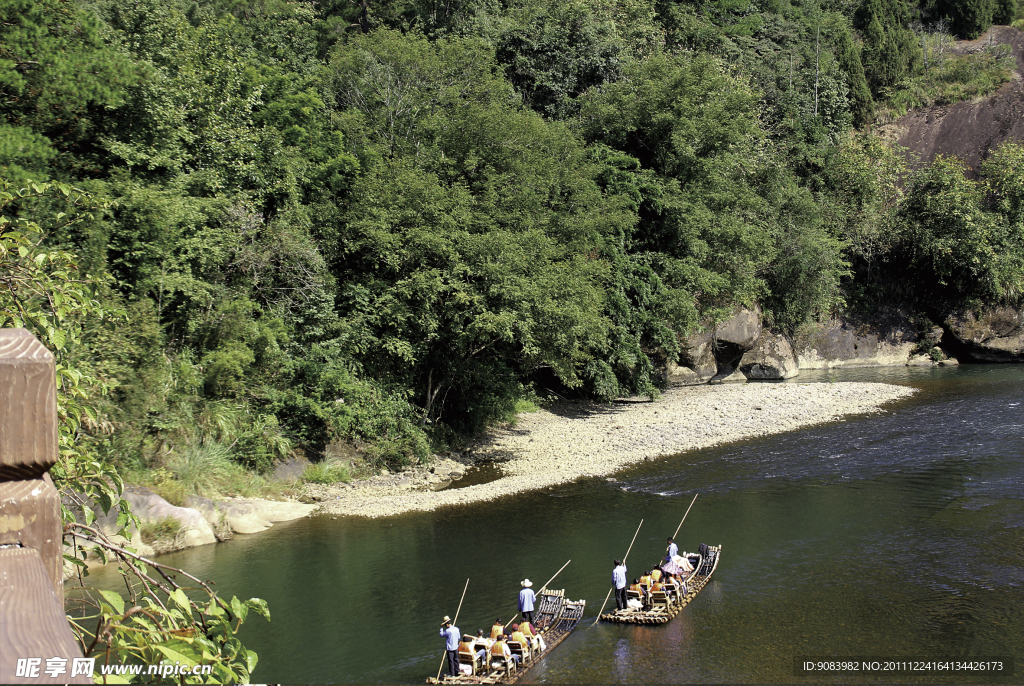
x,y
771,357
995,335
713,353
697,362
149,507
735,336
248,516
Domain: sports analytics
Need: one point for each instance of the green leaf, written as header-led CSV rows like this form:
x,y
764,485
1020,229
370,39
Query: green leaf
x,y
115,600
260,606
240,609
179,597
173,654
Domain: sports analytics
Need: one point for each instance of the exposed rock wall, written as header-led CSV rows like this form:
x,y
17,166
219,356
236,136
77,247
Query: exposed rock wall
x,y
858,343
741,348
713,355
994,335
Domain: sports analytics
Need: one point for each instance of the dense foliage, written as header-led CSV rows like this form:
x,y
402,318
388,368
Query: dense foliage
x,y
249,227
385,223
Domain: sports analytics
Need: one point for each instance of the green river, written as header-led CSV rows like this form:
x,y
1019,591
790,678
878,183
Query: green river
x,y
894,536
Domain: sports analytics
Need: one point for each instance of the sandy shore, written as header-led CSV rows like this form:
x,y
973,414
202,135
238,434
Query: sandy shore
x,y
574,440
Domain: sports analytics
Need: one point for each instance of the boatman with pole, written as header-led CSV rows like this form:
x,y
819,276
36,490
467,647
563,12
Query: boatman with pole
x,y
526,600
619,582
673,550
451,635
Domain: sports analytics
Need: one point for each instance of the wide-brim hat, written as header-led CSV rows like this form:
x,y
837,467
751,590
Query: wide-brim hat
x,y
446,620
526,582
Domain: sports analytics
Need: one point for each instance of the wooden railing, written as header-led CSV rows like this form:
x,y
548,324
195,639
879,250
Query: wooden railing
x,y
36,642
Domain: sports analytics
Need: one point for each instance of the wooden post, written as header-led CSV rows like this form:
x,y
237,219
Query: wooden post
x,y
34,632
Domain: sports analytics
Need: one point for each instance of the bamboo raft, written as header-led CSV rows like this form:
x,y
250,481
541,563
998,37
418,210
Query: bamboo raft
x,y
555,618
661,613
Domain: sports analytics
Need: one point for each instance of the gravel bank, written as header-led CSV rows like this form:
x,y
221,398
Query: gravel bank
x,y
569,441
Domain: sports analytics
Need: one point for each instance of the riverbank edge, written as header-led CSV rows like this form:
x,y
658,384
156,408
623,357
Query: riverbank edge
x,y
569,441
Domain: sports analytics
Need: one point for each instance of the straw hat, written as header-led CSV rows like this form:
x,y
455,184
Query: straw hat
x,y
446,620
526,582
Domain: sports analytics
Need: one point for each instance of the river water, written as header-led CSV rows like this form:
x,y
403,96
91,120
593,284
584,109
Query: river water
x,y
892,535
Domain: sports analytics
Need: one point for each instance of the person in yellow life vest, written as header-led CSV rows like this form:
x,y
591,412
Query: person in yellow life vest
x,y
645,581
635,586
535,639
469,646
656,574
671,587
498,629
518,636
500,651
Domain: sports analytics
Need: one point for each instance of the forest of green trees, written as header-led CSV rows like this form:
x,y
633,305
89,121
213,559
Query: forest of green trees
x,y
273,225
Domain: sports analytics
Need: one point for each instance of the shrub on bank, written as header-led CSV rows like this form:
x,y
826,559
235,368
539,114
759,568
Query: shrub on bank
x,y
326,472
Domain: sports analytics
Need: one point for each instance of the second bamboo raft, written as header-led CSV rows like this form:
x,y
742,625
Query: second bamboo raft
x,y
662,613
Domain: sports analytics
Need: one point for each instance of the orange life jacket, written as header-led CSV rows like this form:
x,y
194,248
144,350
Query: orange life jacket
x,y
657,587
656,575
518,636
498,649
496,631
527,630
645,581
636,587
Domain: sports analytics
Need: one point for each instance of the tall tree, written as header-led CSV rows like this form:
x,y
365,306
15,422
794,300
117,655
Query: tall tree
x,y
54,66
970,18
891,51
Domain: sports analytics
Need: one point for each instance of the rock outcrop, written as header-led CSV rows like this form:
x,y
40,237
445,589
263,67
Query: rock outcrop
x,y
714,354
771,357
203,521
735,336
149,507
996,335
697,362
886,341
741,348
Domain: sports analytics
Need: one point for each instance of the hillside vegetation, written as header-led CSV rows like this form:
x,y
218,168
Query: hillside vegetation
x,y
387,223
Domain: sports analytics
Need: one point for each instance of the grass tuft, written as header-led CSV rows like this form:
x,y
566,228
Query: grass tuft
x,y
326,472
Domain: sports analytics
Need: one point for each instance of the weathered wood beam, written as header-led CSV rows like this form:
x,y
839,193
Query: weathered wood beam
x,y
28,406
37,645
30,517
33,626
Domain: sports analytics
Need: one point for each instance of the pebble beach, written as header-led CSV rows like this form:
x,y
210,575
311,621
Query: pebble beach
x,y
568,441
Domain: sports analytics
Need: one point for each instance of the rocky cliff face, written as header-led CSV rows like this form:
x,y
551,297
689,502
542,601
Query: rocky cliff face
x,y
993,335
856,342
969,130
741,348
715,353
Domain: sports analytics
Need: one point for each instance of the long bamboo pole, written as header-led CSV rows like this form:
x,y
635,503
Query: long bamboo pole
x,y
553,578
613,587
453,624
684,516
